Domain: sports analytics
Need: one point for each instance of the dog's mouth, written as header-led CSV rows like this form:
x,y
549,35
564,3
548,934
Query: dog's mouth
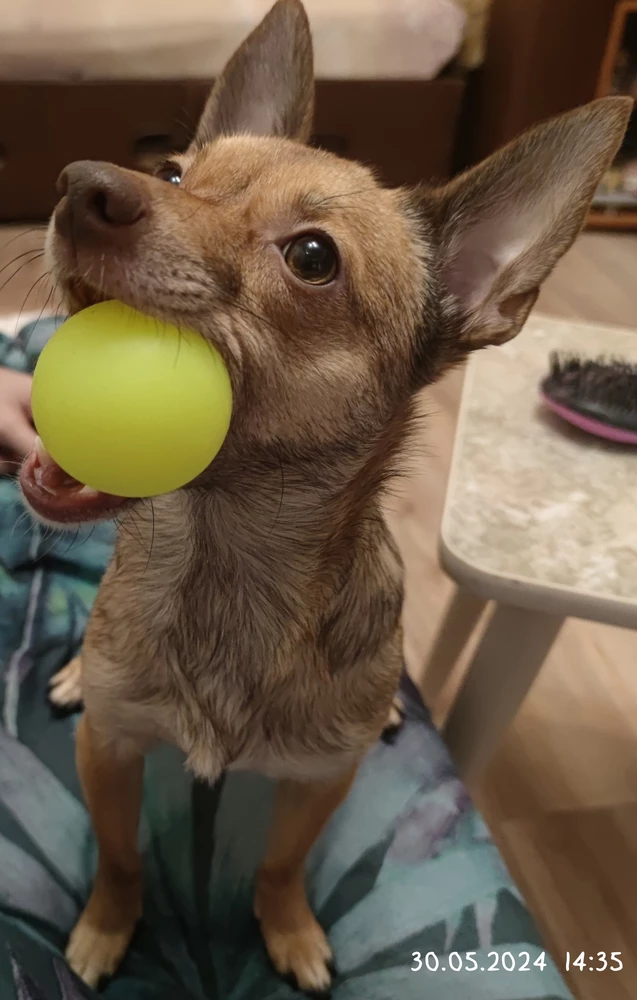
x,y
59,498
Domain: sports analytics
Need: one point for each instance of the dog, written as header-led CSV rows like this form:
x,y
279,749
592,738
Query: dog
x,y
258,623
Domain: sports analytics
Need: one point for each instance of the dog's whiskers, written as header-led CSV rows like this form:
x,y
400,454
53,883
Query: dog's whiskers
x,y
38,252
23,234
18,269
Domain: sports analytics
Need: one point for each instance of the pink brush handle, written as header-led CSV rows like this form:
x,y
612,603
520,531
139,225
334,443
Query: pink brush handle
x,y
590,425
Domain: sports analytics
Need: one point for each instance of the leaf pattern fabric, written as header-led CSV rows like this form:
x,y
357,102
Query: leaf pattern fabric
x,y
406,865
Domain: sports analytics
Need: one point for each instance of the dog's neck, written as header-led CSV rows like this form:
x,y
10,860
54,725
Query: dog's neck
x,y
278,530
270,513
233,576
284,516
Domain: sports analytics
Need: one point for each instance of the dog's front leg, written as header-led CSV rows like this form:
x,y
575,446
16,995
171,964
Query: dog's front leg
x,y
296,943
112,787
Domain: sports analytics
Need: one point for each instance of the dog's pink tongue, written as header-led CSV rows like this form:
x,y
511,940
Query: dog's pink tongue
x,y
48,474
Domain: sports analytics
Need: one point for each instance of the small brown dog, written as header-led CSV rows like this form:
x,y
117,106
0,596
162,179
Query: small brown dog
x,y
258,625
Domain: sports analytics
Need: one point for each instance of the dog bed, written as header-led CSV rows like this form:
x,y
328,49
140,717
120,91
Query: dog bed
x,y
405,866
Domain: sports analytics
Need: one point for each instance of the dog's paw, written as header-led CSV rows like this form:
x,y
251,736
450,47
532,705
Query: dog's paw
x,y
94,953
65,687
302,955
395,720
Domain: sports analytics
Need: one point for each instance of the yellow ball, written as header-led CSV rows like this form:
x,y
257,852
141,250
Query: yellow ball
x,y
130,405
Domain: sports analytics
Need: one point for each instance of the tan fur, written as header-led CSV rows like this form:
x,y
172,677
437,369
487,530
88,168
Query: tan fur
x,y
253,618
112,791
293,937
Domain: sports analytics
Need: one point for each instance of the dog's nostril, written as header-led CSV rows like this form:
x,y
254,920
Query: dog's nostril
x,y
100,197
100,205
121,205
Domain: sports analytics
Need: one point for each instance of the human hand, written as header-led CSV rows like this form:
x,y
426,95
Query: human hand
x,y
17,435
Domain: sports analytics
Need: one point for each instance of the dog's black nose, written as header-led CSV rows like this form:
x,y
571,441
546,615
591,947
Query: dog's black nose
x,y
99,198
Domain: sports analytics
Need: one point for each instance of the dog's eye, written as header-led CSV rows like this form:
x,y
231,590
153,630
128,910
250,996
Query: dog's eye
x,y
169,172
312,258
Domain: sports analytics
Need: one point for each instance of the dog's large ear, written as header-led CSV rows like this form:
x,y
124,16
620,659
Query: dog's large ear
x,y
267,88
504,224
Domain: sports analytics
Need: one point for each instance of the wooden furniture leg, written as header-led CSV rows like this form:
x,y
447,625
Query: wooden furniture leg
x,y
459,621
505,665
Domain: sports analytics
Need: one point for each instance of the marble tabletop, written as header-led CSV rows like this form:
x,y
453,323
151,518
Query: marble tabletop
x,y
538,512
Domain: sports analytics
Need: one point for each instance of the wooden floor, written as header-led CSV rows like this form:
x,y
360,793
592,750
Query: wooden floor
x,y
561,794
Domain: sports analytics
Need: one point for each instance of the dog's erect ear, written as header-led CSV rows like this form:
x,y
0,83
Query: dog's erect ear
x,y
504,224
267,88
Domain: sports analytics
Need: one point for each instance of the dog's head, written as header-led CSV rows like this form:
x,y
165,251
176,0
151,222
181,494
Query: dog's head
x,y
332,299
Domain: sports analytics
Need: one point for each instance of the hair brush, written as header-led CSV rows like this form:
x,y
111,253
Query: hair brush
x,y
597,395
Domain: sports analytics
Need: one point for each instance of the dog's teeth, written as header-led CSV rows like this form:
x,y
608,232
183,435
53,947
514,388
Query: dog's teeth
x,y
38,475
87,491
41,451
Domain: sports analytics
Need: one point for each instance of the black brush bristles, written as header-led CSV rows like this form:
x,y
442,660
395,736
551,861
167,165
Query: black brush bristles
x,y
601,389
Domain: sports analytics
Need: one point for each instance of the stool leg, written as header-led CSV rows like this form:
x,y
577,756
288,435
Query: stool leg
x,y
505,665
459,621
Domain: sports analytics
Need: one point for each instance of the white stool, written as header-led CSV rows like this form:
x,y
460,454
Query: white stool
x,y
539,518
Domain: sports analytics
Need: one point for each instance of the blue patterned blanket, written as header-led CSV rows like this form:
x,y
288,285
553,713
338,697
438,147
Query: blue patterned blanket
x,y
406,867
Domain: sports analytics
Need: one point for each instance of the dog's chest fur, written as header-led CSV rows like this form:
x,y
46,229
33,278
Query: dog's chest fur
x,y
241,639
